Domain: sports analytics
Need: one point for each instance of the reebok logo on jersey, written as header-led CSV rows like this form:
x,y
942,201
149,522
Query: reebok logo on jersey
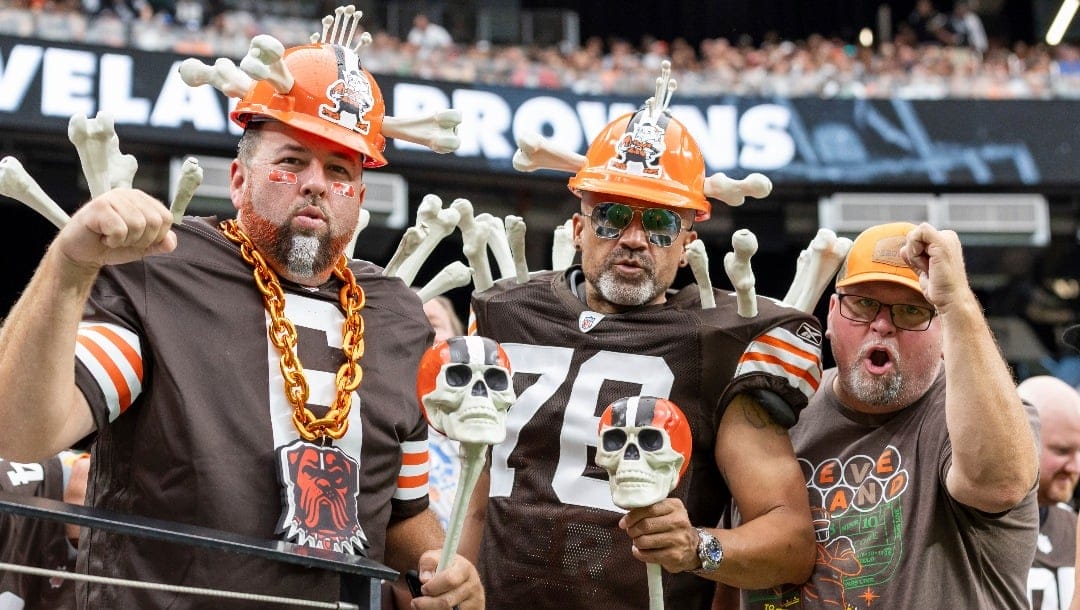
x,y
588,320
809,334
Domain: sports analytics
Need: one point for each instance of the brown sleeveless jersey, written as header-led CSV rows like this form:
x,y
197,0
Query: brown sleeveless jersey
x,y
184,383
551,538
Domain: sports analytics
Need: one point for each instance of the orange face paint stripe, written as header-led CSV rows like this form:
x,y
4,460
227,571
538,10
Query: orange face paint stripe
x,y
281,176
342,189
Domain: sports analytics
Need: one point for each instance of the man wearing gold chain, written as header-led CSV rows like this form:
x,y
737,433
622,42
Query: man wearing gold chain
x,y
222,372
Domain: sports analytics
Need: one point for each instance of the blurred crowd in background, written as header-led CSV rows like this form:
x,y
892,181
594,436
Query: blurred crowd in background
x,y
929,57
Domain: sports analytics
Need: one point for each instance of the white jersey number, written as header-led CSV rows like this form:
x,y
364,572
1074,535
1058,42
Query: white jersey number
x,y
1056,589
24,474
580,420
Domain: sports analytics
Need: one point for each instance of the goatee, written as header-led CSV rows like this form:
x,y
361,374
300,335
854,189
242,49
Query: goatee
x,y
301,253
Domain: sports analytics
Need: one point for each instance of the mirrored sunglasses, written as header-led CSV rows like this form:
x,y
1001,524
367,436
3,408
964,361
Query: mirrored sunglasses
x,y
661,225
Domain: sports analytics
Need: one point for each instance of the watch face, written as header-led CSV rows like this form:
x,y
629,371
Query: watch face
x,y
710,551
715,552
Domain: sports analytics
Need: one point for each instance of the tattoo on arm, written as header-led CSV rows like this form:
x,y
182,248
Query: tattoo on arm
x,y
759,419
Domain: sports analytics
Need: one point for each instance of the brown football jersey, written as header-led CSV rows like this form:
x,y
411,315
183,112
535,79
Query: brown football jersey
x,y
1052,576
175,360
37,543
551,538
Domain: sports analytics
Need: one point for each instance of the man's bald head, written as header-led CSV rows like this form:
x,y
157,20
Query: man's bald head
x,y
1058,405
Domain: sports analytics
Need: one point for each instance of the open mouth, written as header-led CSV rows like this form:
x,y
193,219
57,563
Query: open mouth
x,y
879,360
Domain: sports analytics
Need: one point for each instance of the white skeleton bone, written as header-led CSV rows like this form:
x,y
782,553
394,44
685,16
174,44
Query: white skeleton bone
x,y
536,152
264,61
438,226
437,131
327,23
340,28
499,245
735,192
16,182
515,233
427,210
454,275
361,224
223,76
410,241
562,248
93,139
737,266
815,268
121,168
699,265
191,175
338,31
474,238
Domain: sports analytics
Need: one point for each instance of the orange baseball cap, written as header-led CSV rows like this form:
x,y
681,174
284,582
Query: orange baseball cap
x,y
875,257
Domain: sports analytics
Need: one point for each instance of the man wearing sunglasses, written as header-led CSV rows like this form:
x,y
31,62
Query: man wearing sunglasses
x,y
610,328
924,496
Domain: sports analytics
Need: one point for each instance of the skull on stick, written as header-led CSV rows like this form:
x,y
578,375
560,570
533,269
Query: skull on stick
x,y
645,445
465,389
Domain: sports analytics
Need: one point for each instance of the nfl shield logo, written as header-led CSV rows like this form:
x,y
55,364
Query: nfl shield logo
x,y
588,320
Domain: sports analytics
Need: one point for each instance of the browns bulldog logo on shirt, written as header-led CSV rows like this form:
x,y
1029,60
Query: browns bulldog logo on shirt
x,y
320,486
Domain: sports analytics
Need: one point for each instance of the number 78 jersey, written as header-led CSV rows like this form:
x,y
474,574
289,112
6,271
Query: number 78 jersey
x,y
551,533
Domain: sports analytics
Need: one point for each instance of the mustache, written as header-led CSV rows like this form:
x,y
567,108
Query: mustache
x,y
641,259
311,200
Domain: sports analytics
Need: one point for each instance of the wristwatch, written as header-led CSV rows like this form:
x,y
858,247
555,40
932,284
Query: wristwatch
x,y
709,551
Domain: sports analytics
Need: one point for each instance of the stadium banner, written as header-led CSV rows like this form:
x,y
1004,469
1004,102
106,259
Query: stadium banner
x,y
800,141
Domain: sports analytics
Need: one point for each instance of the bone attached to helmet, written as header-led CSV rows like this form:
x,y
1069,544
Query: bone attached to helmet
x,y
646,155
464,388
331,96
645,446
321,88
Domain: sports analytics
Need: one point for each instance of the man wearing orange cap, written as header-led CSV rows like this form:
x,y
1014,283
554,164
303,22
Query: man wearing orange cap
x,y
244,375
933,487
611,328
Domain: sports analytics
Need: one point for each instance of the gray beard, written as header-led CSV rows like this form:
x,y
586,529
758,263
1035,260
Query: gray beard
x,y
627,294
303,255
875,391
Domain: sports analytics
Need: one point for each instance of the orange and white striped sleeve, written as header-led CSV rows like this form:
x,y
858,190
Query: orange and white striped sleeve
x,y
113,356
415,466
791,355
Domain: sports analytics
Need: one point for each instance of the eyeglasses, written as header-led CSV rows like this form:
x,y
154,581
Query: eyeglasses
x,y
904,316
661,225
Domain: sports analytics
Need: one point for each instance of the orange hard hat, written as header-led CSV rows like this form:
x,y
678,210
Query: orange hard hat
x,y
650,156
332,96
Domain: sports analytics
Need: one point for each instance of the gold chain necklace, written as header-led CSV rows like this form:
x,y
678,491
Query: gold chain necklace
x,y
283,335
